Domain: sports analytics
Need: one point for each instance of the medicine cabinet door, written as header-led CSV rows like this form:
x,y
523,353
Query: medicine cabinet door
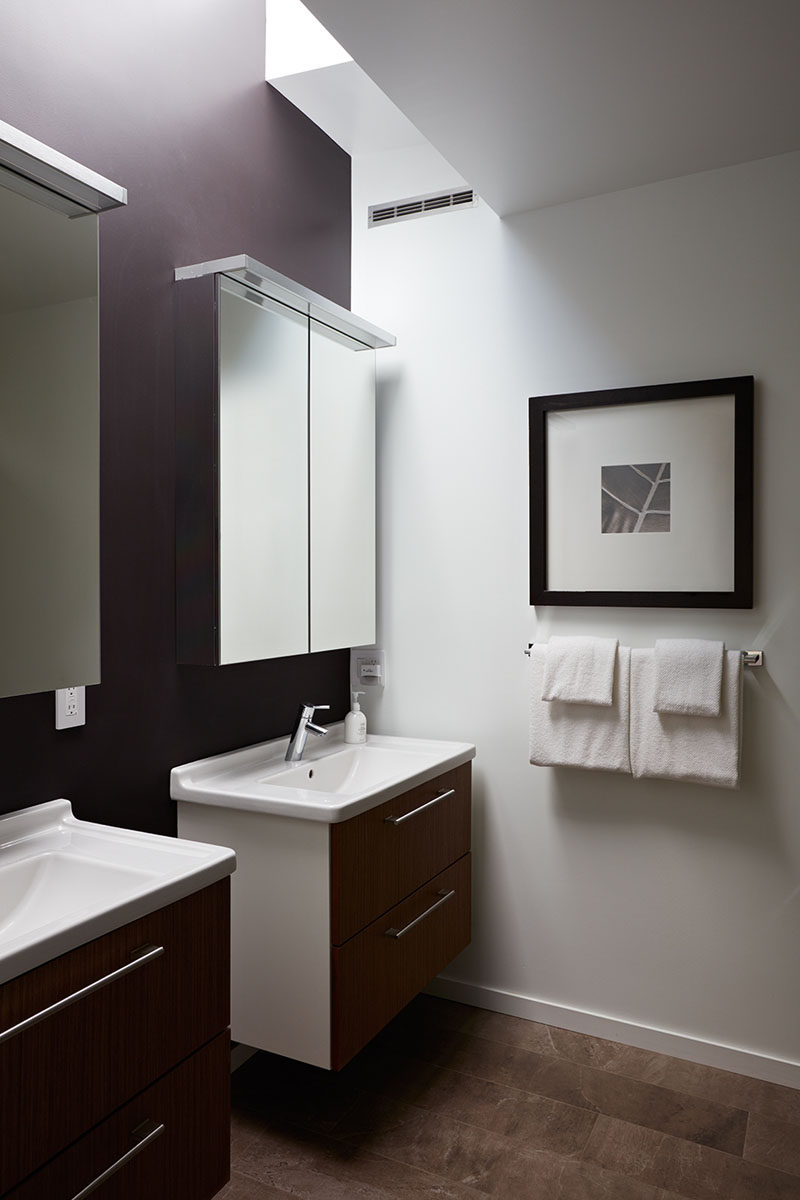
x,y
263,477
342,465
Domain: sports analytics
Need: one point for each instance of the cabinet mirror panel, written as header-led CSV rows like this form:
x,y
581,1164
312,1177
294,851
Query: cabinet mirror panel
x,y
263,477
49,424
342,458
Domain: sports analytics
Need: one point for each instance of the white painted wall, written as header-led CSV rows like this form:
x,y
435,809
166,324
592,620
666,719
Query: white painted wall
x,y
664,906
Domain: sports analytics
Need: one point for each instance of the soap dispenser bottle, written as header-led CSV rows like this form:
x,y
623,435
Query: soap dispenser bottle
x,y
355,723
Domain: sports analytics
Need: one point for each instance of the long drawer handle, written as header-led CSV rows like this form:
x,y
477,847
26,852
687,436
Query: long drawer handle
x,y
398,933
144,955
422,807
153,1131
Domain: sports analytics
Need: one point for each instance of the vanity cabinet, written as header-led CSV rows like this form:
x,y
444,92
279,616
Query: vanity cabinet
x,y
127,1083
337,926
275,469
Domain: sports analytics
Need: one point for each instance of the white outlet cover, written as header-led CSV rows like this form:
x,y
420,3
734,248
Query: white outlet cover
x,y
70,707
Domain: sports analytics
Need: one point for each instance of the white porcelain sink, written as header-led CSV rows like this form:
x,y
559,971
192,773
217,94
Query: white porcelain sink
x,y
64,881
334,781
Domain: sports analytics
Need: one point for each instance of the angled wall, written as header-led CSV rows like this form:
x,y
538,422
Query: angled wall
x,y
167,98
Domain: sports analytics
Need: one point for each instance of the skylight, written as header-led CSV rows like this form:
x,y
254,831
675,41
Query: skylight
x,y
297,41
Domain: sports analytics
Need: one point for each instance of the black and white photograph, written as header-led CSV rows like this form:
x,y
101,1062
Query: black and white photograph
x,y
635,498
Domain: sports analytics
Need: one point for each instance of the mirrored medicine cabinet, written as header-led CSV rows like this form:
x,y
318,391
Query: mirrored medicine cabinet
x,y
49,416
276,467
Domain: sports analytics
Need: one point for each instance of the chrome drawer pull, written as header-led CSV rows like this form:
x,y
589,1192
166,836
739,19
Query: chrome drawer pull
x,y
422,807
153,1131
143,955
398,933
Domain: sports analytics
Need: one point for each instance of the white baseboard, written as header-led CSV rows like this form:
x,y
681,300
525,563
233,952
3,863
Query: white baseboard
x,y
678,1045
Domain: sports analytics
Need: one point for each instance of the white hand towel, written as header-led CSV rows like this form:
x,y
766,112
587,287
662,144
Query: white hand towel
x,y
688,676
580,735
579,670
675,746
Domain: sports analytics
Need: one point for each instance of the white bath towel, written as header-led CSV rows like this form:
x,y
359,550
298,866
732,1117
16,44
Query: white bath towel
x,y
675,746
580,735
688,676
579,670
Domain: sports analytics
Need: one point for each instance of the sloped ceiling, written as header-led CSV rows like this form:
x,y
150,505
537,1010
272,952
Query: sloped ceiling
x,y
537,102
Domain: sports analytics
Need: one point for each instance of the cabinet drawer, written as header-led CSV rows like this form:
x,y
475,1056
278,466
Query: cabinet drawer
x,y
377,972
62,1074
170,1143
381,856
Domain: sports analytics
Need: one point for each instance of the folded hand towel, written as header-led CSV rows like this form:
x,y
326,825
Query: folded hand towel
x,y
580,735
579,670
688,677
675,746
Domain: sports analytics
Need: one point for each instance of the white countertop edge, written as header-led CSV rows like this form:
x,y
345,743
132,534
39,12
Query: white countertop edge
x,y
199,792
219,862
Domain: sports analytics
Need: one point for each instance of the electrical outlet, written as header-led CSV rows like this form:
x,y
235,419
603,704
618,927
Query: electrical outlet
x,y
70,707
367,667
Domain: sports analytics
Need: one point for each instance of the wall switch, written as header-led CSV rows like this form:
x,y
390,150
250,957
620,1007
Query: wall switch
x,y
70,707
367,667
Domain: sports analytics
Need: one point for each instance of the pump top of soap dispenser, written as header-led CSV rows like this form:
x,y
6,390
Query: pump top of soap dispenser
x,y
356,705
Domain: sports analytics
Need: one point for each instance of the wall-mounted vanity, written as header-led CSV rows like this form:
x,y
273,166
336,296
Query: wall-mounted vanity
x,y
276,467
49,415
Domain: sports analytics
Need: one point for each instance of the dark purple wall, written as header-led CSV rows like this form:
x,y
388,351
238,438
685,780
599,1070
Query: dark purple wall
x,y
167,98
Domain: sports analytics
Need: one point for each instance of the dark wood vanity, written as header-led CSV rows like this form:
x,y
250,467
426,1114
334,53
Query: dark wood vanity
x,y
400,904
126,1084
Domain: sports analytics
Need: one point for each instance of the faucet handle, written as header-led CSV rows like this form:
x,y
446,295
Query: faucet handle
x,y
317,707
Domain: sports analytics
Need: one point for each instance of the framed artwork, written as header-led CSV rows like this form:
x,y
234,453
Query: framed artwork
x,y
643,496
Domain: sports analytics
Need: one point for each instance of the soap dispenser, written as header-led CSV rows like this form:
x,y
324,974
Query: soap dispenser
x,y
355,723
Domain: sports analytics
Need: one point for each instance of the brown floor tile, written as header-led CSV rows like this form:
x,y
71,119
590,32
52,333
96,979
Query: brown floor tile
x,y
523,1116
243,1188
585,1181
773,1143
537,1122
454,1103
680,1114
312,1166
686,1168
710,1083
463,1153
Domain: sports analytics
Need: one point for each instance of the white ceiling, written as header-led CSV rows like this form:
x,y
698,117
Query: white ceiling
x,y
536,102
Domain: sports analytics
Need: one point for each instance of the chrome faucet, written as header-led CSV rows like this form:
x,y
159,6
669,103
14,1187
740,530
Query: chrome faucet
x,y
304,724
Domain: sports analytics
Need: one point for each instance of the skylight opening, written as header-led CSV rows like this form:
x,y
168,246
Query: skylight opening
x,y
296,41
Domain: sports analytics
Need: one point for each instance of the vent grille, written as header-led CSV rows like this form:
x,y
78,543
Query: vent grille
x,y
420,206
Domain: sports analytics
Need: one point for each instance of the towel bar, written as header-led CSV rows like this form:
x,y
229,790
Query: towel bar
x,y
750,658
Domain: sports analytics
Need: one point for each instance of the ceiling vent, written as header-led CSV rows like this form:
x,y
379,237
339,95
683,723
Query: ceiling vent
x,y
420,206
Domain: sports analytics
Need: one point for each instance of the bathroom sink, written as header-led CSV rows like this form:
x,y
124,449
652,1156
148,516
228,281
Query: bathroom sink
x,y
334,781
348,771
64,881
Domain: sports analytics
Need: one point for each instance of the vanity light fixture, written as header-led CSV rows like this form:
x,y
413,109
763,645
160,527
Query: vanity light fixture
x,y
69,186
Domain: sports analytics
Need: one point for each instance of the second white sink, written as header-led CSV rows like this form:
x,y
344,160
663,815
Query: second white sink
x,y
64,881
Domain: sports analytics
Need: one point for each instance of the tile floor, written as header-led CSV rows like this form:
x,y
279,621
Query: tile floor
x,y
452,1102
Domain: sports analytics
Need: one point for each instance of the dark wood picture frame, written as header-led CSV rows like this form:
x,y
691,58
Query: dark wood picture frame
x,y
741,388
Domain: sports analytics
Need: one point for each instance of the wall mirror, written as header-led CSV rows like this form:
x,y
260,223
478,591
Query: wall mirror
x,y
49,416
